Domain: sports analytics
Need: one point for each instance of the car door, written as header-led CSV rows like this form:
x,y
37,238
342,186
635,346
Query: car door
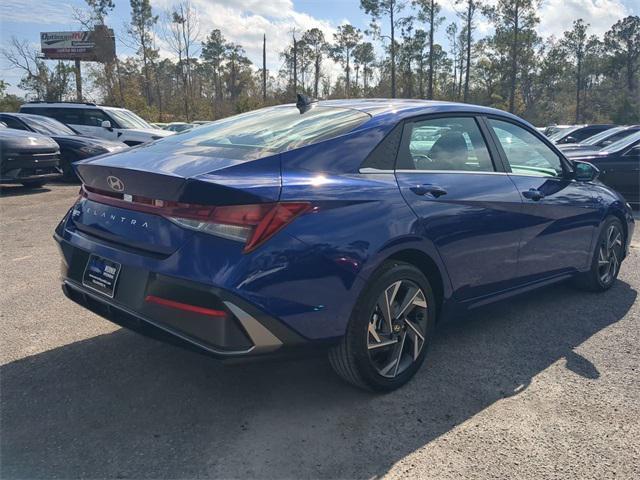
x,y
621,171
560,214
74,117
465,203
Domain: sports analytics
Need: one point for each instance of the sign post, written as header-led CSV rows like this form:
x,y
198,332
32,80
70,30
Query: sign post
x,y
98,45
78,82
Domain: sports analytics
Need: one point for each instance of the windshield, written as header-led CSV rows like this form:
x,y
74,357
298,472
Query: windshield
x,y
623,143
272,130
602,136
127,119
47,126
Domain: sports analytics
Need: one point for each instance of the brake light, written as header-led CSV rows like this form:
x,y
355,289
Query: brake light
x,y
252,224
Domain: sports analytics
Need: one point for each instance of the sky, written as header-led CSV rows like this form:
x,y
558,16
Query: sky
x,y
245,21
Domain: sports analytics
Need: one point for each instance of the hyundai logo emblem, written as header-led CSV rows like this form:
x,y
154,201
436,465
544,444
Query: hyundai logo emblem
x,y
115,183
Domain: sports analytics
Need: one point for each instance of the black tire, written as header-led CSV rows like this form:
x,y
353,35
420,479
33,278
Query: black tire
x,y
594,280
68,174
34,183
351,358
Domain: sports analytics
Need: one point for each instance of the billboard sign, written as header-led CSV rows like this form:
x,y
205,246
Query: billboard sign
x,y
96,46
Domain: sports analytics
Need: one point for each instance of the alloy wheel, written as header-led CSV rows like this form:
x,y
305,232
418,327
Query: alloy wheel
x,y
397,328
609,254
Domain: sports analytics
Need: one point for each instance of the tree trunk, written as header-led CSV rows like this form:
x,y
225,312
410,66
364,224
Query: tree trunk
x,y
431,24
393,52
295,65
578,87
348,79
316,77
514,60
468,67
264,68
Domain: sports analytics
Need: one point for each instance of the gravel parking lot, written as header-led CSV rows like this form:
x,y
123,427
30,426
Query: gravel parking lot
x,y
543,386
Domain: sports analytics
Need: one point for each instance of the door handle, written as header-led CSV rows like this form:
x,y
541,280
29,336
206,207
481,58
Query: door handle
x,y
533,194
434,190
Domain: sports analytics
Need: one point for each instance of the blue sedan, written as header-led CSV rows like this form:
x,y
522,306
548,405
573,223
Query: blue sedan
x,y
354,226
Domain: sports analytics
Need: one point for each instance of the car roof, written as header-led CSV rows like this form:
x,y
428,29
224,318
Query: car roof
x,y
390,110
27,115
67,105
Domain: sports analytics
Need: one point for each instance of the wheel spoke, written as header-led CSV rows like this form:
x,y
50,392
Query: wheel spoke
x,y
415,329
416,299
399,357
385,370
617,240
382,343
389,296
373,333
610,237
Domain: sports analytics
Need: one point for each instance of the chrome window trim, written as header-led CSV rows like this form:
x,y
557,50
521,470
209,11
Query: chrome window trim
x,y
378,171
409,170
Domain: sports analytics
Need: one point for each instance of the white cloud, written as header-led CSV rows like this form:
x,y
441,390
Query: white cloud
x,y
244,22
557,16
43,12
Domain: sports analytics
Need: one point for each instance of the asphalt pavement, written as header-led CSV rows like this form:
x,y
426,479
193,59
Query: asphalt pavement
x,y
543,386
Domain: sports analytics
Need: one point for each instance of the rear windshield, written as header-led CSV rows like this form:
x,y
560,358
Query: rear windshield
x,y
271,130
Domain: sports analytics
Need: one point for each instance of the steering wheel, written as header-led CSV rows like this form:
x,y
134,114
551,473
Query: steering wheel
x,y
421,159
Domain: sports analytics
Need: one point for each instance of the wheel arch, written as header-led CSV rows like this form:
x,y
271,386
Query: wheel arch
x,y
427,265
617,213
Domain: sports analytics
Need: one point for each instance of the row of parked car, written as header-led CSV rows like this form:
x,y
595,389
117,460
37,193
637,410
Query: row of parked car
x,y
614,149
43,140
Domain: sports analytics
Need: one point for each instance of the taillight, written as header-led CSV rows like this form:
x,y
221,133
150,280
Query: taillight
x,y
251,224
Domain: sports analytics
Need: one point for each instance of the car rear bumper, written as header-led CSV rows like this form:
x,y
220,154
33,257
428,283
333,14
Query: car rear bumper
x,y
243,330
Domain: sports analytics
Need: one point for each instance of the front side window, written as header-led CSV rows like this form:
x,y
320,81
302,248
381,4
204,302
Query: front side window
x,y
94,118
526,153
448,143
12,123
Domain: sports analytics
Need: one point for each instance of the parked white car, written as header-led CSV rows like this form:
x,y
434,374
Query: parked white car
x,y
110,123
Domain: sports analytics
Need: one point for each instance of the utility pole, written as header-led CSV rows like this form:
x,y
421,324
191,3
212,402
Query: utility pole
x,y
264,68
78,82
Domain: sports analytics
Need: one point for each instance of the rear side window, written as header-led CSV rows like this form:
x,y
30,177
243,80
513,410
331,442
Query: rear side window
x,y
383,157
448,143
526,153
73,116
271,130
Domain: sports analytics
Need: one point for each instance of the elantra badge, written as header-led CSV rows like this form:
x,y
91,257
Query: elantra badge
x,y
115,183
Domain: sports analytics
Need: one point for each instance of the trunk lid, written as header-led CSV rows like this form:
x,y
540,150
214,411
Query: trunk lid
x,y
120,188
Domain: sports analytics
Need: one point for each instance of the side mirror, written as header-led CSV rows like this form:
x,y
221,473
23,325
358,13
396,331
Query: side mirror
x,y
606,143
570,139
106,124
585,171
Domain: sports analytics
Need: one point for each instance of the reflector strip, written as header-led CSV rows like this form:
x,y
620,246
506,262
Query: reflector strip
x,y
184,306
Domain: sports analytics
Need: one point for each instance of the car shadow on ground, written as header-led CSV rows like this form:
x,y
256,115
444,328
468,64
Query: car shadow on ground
x,y
120,405
18,190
